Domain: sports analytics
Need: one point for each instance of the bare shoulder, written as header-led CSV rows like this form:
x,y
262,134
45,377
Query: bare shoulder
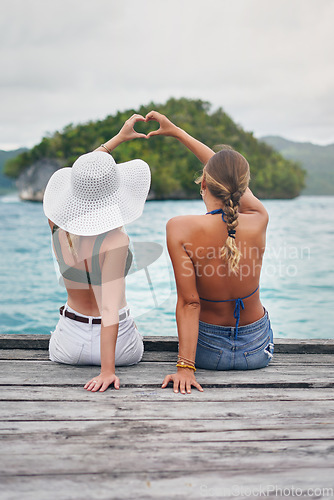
x,y
179,227
116,238
181,220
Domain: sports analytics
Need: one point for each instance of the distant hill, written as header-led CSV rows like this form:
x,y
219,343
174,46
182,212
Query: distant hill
x,y
318,161
7,184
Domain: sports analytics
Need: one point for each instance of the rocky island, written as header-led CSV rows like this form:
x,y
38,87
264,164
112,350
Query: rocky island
x,y
32,182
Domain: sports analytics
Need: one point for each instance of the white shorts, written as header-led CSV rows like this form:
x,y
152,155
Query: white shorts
x,y
77,343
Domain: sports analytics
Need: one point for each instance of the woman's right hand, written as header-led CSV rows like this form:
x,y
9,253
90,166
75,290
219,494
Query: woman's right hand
x,y
183,380
128,132
166,126
102,382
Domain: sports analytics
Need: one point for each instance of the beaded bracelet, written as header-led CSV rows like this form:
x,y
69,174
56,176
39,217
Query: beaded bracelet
x,y
105,147
183,365
182,358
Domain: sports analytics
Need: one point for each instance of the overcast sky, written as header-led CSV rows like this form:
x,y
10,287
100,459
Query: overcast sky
x,y
267,63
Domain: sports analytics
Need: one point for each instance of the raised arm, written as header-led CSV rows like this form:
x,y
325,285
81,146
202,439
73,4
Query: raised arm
x,y
168,128
248,202
126,133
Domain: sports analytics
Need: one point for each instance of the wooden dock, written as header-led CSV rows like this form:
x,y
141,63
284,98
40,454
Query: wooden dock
x,y
266,432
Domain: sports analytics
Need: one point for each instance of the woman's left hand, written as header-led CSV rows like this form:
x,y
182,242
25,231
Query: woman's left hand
x,y
102,382
128,132
183,379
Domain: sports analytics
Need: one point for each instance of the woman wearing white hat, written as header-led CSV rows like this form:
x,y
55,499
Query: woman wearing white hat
x,y
87,206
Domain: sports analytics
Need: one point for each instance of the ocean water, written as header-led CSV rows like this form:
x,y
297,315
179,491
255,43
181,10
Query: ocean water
x,y
297,282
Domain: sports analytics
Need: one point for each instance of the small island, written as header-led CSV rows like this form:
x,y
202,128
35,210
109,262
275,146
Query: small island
x,y
173,168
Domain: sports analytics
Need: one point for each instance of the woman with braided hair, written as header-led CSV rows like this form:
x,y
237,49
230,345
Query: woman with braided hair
x,y
217,260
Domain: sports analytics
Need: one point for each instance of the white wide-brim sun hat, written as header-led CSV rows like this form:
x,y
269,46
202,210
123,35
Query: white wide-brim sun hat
x,y
97,195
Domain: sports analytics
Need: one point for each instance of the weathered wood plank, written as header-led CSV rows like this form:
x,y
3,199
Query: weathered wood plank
x,y
279,360
42,355
24,354
161,343
162,430
24,341
230,484
147,394
42,342
47,373
179,408
219,428
111,456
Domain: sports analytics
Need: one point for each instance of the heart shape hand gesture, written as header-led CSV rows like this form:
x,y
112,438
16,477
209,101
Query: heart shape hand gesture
x,y
166,126
128,132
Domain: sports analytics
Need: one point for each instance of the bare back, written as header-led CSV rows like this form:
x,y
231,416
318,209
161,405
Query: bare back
x,y
194,243
87,298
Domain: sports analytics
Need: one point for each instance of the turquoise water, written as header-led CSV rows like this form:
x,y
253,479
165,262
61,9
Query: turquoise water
x,y
297,283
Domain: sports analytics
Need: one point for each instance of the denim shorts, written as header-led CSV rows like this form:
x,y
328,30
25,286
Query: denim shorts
x,y
78,343
218,349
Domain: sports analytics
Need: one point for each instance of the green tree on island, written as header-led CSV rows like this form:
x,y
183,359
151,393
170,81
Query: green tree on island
x,y
173,167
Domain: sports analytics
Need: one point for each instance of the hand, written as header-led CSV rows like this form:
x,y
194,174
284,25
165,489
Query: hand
x,y
184,379
166,126
102,382
128,132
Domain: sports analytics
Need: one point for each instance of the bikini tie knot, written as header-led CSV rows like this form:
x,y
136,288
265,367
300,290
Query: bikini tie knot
x,y
239,304
217,211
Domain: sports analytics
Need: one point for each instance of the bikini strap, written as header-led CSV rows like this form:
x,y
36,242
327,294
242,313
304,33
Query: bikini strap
x,y
72,273
68,272
239,304
256,289
96,269
55,238
218,211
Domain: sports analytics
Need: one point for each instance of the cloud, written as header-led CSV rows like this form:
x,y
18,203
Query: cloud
x,y
268,64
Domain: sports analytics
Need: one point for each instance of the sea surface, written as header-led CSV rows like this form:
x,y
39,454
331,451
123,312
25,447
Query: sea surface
x,y
297,283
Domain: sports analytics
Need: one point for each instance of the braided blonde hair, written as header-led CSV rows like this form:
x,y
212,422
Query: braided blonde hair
x,y
227,177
